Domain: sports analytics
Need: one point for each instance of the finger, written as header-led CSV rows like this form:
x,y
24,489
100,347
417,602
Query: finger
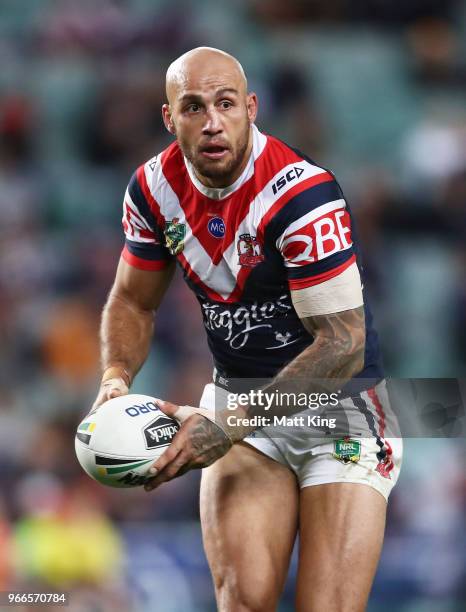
x,y
167,407
184,464
168,471
115,387
98,402
153,483
108,391
177,467
116,392
167,457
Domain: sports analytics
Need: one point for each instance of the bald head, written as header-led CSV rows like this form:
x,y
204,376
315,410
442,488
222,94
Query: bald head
x,y
196,67
210,112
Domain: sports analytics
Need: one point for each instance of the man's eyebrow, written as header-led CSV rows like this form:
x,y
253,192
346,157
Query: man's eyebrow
x,y
225,90
192,97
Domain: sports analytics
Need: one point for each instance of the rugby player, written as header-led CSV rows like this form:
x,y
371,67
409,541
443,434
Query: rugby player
x,y
265,240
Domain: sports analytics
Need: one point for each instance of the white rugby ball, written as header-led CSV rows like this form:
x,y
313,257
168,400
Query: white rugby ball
x,y
118,443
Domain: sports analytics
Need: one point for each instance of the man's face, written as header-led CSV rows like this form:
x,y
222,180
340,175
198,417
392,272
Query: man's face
x,y
210,113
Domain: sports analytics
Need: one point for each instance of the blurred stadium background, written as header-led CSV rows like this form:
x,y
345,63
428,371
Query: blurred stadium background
x,y
374,89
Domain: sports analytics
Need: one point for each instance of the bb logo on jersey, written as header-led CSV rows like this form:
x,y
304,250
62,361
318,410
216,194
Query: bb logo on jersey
x,y
249,251
216,227
318,239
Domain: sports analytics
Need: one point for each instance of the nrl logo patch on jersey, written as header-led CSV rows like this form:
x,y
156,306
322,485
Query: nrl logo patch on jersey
x,y
175,233
347,450
249,251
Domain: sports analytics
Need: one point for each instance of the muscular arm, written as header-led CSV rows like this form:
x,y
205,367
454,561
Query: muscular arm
x,y
337,351
335,356
128,316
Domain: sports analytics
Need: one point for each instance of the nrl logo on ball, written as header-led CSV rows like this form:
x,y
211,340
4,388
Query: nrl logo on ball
x,y
175,233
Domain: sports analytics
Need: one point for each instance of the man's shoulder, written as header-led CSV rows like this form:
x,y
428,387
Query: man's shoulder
x,y
151,173
284,153
169,155
291,176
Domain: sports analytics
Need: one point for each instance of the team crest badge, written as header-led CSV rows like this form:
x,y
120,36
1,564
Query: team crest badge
x,y
347,450
175,233
249,251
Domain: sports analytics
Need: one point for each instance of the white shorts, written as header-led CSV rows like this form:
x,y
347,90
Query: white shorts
x,y
365,457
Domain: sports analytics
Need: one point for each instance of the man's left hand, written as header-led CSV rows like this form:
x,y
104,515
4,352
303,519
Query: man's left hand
x,y
198,443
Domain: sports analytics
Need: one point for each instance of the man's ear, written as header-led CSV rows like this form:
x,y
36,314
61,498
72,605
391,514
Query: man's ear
x,y
252,105
167,119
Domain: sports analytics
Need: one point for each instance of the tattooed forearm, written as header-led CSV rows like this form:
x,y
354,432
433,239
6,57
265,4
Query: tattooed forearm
x,y
337,351
198,444
335,356
208,442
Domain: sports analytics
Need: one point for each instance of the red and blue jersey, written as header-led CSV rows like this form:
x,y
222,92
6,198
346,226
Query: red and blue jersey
x,y
283,225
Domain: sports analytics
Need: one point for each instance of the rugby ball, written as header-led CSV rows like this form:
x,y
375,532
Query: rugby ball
x,y
117,443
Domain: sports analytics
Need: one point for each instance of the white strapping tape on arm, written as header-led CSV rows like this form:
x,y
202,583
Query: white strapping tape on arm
x,y
343,292
184,412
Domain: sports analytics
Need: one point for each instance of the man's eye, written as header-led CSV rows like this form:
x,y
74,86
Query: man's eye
x,y
225,104
193,108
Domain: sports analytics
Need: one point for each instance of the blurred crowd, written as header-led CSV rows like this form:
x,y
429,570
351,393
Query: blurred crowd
x,y
375,90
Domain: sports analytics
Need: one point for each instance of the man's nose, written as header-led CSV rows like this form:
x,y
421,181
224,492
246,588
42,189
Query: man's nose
x,y
213,123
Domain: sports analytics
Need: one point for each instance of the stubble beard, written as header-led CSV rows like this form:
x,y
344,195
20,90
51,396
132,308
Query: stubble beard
x,y
217,172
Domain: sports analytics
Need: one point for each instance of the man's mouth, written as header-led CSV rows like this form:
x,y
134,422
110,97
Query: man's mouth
x,y
214,151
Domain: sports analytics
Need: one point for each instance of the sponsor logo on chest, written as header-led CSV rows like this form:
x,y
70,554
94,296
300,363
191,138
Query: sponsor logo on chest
x,y
216,227
236,324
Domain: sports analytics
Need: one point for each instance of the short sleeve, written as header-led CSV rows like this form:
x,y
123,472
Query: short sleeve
x,y
144,245
314,235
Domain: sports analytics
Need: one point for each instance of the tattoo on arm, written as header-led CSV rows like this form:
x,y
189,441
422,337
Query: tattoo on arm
x,y
338,348
335,356
208,442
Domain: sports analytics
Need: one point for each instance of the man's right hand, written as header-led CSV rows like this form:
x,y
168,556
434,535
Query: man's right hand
x,y
115,383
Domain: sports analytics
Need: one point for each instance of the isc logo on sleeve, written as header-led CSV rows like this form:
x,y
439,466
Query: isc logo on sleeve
x,y
291,175
318,239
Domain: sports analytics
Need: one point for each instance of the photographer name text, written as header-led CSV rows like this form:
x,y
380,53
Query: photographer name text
x,y
282,421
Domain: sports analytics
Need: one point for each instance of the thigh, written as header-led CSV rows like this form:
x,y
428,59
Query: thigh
x,y
341,534
249,514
